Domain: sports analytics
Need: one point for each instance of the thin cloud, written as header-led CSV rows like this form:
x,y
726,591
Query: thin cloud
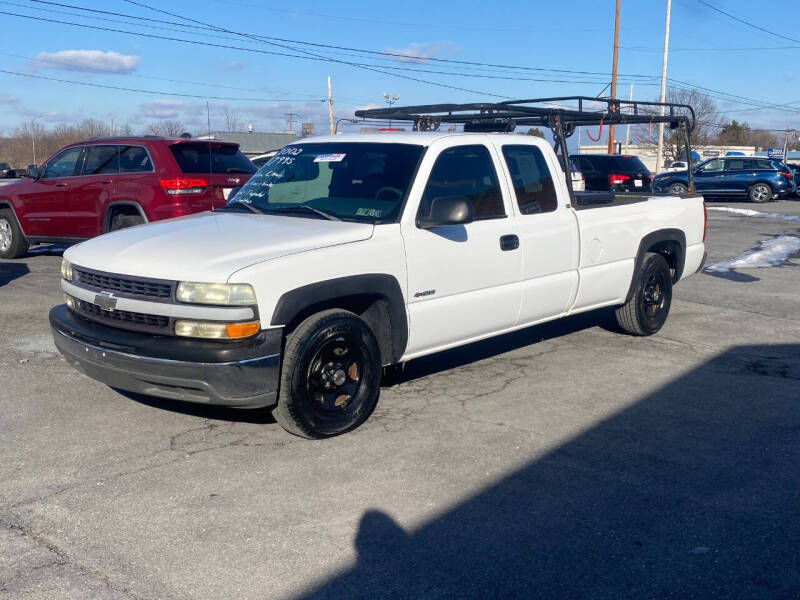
x,y
87,61
421,52
8,100
231,65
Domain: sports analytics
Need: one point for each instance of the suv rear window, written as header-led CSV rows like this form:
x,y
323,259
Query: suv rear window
x,y
225,158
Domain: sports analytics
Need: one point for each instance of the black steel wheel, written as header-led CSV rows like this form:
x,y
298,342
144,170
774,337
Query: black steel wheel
x,y
330,377
648,308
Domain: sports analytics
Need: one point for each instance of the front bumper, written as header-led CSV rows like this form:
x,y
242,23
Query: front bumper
x,y
241,374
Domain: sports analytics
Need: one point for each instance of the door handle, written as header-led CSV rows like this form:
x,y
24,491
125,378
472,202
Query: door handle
x,y
509,242
61,185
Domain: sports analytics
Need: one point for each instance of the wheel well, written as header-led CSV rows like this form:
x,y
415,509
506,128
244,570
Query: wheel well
x,y
372,308
672,253
121,209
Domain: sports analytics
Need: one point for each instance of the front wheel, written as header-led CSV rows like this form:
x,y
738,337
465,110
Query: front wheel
x,y
330,377
759,192
12,241
677,189
647,310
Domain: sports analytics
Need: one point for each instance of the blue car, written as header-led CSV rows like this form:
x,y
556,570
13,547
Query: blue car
x,y
754,178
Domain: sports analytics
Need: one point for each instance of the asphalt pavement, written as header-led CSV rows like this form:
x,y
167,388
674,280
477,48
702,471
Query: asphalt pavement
x,y
563,461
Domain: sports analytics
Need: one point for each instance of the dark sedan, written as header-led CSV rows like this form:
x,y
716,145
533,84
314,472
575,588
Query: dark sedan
x,y
748,177
613,172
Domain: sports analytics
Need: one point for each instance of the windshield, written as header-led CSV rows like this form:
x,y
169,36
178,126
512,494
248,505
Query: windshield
x,y
355,181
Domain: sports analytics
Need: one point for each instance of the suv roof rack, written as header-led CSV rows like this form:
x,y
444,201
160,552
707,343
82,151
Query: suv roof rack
x,y
562,120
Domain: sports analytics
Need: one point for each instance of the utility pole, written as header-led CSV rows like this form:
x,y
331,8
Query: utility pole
x,y
663,96
33,136
330,106
628,127
614,76
290,121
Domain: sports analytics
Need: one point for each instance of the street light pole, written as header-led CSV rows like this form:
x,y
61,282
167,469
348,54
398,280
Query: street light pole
x,y
390,100
614,76
33,136
662,98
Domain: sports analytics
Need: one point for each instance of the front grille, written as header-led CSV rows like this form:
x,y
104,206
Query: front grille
x,y
124,319
135,287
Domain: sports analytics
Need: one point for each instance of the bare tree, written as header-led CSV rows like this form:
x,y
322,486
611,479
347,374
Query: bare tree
x,y
125,129
233,119
707,124
167,128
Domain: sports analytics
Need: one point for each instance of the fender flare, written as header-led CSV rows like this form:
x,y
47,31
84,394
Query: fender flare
x,y
112,205
380,286
655,237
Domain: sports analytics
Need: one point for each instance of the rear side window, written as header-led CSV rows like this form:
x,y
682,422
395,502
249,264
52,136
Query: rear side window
x,y
764,163
738,164
533,183
134,159
467,171
219,158
101,160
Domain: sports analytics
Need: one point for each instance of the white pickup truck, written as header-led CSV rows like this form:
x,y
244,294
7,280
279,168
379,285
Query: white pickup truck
x,y
347,254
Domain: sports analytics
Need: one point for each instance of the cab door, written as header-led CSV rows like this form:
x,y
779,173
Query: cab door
x,y
548,232
93,190
46,203
710,177
463,280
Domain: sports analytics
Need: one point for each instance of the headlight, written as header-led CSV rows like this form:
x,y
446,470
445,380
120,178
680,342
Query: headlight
x,y
216,293
215,331
66,270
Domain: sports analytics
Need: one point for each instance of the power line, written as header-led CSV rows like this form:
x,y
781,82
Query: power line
x,y
747,23
159,93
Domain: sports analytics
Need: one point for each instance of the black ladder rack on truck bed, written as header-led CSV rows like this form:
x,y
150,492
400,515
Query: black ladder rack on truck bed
x,y
562,120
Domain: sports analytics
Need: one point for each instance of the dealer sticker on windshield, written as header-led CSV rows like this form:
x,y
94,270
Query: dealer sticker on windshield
x,y
369,212
329,158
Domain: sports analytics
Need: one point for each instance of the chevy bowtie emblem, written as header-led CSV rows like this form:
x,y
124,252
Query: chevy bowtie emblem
x,y
105,300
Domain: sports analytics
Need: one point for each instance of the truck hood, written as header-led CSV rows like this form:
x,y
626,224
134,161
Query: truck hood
x,y
209,247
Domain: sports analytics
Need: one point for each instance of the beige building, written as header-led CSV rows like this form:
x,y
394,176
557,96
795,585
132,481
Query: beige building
x,y
647,152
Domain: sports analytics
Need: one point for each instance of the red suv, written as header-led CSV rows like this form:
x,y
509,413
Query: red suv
x,y
89,188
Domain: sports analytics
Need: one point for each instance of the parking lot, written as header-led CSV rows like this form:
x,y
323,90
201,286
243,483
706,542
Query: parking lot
x,y
563,461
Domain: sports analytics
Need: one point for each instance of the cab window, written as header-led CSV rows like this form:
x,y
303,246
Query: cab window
x,y
533,184
466,171
64,164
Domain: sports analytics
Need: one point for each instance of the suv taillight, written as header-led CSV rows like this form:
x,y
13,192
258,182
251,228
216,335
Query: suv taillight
x,y
785,174
615,178
181,185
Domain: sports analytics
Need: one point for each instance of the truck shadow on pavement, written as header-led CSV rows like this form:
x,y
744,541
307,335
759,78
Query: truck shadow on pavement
x,y
10,271
691,492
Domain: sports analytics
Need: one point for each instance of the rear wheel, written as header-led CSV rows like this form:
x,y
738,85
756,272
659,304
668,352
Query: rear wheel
x,y
677,189
12,241
760,192
330,377
647,310
120,221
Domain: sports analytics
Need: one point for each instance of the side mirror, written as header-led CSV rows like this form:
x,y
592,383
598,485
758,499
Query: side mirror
x,y
32,171
447,210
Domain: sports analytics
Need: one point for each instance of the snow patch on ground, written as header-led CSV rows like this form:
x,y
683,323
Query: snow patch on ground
x,y
746,212
770,253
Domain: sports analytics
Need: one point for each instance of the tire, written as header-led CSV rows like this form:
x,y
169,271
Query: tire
x,y
12,241
330,376
120,221
677,189
760,192
648,308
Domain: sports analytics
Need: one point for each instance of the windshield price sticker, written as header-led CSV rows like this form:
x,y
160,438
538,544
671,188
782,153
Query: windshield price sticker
x,y
369,212
330,158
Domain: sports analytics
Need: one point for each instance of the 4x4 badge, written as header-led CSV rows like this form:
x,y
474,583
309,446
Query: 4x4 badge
x,y
105,300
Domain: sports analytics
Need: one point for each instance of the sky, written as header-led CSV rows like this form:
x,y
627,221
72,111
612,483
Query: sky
x,y
525,49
